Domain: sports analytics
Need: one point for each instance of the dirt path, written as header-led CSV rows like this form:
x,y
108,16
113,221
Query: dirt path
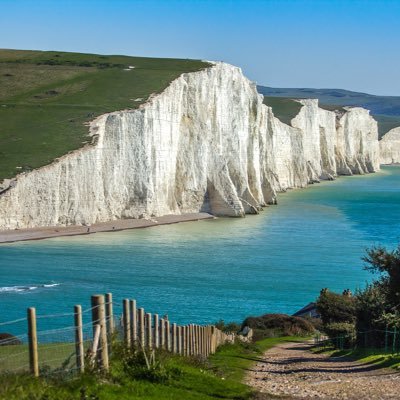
x,y
290,370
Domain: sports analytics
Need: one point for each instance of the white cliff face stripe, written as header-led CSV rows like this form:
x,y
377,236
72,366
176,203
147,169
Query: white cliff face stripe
x,y
207,143
390,147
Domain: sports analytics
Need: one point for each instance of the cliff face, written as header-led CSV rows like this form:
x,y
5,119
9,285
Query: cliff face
x,y
207,143
390,147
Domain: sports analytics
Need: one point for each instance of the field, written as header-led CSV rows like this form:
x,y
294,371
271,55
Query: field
x,y
219,377
47,99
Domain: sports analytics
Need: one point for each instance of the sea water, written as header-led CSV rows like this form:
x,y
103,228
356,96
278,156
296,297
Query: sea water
x,y
201,272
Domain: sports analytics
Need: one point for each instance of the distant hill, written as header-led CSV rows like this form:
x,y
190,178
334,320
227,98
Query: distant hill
x,y
385,109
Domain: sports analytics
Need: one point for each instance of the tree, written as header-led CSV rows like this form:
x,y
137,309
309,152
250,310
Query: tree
x,y
334,307
387,264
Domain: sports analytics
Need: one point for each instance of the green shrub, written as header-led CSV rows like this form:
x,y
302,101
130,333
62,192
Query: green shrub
x,y
227,327
272,325
6,339
334,307
341,333
147,365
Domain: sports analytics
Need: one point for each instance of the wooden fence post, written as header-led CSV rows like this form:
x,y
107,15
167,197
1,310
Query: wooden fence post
x,y
206,341
95,344
156,331
190,339
133,317
99,317
33,345
79,351
149,340
109,313
162,333
187,340
168,334
141,328
126,323
201,340
184,340
178,340
210,339
174,346
196,339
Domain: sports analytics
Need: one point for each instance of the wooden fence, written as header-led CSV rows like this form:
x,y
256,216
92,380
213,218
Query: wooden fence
x,y
137,328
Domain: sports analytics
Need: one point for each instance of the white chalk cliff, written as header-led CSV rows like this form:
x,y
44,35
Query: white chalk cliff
x,y
207,143
390,147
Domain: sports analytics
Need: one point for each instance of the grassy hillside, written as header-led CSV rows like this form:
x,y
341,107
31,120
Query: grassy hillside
x,y
385,109
219,377
47,99
283,108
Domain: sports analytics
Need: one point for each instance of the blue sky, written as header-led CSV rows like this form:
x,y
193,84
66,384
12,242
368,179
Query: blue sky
x,y
353,44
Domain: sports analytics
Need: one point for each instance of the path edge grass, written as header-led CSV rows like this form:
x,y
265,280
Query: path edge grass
x,y
220,376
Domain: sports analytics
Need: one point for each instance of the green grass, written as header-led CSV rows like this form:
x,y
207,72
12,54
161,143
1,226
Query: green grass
x,y
15,358
283,108
386,123
385,109
377,357
219,377
47,99
331,107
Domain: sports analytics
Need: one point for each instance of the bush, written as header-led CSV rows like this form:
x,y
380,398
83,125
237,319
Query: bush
x,y
334,307
341,332
147,365
315,322
270,325
7,339
227,327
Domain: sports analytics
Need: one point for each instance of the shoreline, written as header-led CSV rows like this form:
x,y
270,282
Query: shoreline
x,y
20,235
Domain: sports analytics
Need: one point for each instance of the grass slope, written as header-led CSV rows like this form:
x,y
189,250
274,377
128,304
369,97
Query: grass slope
x,y
376,357
385,109
47,98
283,108
218,378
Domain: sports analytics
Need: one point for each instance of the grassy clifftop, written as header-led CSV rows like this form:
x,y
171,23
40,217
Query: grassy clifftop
x,y
385,109
283,108
48,97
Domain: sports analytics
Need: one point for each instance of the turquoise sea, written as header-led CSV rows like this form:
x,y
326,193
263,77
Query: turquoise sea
x,y
209,270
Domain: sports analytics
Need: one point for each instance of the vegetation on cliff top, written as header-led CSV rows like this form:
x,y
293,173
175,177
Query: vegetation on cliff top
x,y
48,97
283,108
385,109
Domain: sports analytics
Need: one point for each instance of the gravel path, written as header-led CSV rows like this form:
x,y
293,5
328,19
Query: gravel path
x,y
290,370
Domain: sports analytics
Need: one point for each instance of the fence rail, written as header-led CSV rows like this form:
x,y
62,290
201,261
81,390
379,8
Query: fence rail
x,y
387,340
71,348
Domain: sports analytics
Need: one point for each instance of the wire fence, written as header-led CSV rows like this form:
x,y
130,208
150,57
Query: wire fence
x,y
85,338
383,340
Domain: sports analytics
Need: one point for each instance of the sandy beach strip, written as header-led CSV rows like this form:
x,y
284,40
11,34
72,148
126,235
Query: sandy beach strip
x,y
18,235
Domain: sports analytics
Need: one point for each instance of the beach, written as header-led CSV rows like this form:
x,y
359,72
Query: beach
x,y
17,235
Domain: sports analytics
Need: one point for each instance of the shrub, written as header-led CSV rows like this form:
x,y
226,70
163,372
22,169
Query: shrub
x,y
7,339
147,365
341,332
227,327
315,322
334,307
270,325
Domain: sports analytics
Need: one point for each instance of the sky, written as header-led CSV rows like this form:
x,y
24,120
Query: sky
x,y
352,44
